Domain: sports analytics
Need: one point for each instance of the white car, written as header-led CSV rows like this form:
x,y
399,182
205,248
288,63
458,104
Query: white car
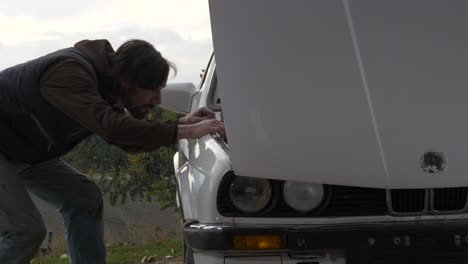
x,y
232,219
349,117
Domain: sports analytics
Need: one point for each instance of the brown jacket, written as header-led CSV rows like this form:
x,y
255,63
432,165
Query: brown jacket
x,y
71,88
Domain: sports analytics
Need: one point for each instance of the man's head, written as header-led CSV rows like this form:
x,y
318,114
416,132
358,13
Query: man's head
x,y
141,72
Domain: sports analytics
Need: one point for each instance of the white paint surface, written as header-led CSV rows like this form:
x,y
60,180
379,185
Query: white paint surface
x,y
344,92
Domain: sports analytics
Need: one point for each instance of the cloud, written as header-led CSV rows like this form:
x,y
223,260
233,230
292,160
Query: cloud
x,y
180,29
49,9
189,55
189,18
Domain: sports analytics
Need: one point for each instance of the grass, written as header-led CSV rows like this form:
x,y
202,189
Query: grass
x,y
127,254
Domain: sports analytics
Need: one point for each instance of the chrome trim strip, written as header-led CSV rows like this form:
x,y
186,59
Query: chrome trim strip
x,y
427,201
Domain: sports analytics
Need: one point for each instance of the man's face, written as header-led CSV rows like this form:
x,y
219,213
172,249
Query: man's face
x,y
139,101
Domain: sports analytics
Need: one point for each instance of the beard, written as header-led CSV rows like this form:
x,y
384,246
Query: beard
x,y
128,100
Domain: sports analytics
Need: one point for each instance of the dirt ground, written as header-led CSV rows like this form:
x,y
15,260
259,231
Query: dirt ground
x,y
176,260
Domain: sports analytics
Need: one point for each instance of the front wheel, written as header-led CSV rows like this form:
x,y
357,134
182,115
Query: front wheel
x,y
188,255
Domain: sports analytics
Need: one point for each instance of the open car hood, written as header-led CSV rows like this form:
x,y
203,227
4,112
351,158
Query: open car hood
x,y
365,93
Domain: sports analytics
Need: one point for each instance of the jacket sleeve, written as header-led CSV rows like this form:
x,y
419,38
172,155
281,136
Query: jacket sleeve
x,y
70,88
141,149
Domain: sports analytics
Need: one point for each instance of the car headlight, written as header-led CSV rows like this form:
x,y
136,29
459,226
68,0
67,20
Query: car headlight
x,y
303,196
250,195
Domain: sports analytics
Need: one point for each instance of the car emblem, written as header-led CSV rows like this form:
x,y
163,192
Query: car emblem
x,y
433,162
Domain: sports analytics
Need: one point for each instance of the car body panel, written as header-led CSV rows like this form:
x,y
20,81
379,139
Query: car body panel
x,y
357,93
200,164
199,178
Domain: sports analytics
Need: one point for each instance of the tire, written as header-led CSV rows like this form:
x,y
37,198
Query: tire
x,y
188,252
188,255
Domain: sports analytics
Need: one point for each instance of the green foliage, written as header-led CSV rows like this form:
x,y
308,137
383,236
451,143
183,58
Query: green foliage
x,y
123,175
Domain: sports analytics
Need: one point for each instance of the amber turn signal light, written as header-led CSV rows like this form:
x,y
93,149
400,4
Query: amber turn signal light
x,y
257,242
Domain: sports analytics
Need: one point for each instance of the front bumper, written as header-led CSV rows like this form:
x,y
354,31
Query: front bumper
x,y
390,242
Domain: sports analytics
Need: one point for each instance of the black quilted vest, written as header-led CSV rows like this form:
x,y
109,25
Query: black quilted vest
x,y
31,129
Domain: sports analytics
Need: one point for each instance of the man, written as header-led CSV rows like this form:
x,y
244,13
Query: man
x,y
47,106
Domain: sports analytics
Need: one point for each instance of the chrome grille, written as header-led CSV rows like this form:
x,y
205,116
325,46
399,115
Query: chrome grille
x,y
408,200
449,199
427,201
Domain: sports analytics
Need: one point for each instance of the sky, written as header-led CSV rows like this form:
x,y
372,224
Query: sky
x,y
180,29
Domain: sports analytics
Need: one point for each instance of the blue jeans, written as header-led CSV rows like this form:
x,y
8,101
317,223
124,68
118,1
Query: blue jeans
x,y
78,200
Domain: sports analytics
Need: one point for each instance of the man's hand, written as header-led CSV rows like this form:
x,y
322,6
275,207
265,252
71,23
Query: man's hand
x,y
197,130
197,116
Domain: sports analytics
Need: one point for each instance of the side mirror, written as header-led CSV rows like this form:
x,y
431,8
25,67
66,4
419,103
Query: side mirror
x,y
178,97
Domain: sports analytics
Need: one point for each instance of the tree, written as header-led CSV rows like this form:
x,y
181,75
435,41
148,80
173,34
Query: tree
x,y
123,175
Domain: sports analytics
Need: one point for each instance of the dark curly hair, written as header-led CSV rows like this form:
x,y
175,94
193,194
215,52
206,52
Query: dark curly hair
x,y
138,62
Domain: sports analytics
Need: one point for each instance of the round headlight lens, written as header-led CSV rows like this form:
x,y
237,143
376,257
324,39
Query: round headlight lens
x,y
303,196
250,195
